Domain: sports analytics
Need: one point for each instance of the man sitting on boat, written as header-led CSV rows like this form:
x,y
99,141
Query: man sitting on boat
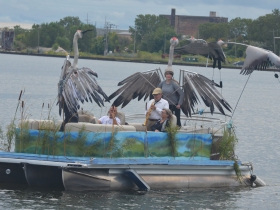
x,y
155,107
111,118
160,125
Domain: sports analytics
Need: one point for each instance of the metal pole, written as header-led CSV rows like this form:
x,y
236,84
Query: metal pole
x,y
235,44
273,41
134,39
38,38
164,39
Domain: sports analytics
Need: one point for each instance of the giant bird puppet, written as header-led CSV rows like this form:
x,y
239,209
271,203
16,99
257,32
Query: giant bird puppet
x,y
258,59
142,84
77,85
211,50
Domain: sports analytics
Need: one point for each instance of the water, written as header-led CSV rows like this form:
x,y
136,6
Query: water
x,y
256,118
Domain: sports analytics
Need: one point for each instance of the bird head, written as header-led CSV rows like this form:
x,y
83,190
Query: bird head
x,y
174,41
192,39
80,33
221,42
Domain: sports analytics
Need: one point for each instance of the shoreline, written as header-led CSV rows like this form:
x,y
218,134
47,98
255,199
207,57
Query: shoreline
x,y
122,60
136,61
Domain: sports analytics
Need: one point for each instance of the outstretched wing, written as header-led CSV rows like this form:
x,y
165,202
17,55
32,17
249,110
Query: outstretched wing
x,y
258,59
194,48
79,86
211,50
140,84
64,69
196,84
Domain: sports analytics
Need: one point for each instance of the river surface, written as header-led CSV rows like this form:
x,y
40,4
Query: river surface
x,y
256,118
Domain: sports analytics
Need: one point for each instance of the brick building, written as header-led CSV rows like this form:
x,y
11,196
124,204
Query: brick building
x,y
188,25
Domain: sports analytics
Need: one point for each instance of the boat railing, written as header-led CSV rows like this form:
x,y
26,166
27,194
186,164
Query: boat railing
x,y
201,118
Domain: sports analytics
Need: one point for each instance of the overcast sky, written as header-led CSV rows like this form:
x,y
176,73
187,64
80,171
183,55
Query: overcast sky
x,y
122,13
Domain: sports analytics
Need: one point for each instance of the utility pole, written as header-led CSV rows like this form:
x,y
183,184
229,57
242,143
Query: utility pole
x,y
274,43
107,28
235,43
87,19
135,38
274,39
38,38
164,39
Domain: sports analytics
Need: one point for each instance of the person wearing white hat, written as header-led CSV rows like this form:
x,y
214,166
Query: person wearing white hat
x,y
155,107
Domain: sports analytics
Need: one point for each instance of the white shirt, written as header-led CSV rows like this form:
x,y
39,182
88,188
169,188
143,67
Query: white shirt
x,y
108,120
161,104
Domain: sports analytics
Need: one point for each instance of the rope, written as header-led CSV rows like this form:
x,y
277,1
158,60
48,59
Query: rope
x,y
240,96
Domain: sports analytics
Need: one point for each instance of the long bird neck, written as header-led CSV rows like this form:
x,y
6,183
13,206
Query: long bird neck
x,y
76,51
171,52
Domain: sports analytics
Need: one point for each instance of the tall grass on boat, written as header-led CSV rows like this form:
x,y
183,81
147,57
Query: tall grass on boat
x,y
48,136
226,147
80,142
109,149
119,150
10,134
171,133
92,149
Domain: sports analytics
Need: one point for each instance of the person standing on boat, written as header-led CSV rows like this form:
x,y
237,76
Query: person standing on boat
x,y
172,93
164,122
111,118
155,107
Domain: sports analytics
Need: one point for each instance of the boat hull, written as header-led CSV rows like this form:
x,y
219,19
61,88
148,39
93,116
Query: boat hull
x,y
43,176
12,173
86,174
155,176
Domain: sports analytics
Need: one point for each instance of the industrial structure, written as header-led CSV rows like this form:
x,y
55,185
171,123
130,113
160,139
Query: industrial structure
x,y
188,25
7,37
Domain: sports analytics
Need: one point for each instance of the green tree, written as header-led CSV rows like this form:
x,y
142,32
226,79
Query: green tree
x,y
151,32
67,23
214,30
263,28
98,46
63,42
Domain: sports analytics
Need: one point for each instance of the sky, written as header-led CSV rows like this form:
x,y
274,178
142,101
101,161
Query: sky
x,y
122,13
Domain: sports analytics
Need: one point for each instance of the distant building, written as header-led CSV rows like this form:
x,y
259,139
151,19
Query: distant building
x,y
188,25
102,31
7,39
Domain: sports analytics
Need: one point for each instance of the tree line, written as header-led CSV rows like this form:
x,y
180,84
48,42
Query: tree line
x,y
152,33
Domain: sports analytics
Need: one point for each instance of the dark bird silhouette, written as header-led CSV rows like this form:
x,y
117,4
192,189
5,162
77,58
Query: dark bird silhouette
x,y
212,50
257,59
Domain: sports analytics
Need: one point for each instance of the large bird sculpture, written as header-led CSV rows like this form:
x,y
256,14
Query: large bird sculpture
x,y
142,84
78,84
258,59
211,50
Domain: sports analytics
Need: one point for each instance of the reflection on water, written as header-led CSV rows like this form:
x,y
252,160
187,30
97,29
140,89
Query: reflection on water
x,y
222,198
256,119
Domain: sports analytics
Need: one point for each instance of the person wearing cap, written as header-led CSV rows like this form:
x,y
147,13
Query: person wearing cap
x,y
156,106
172,93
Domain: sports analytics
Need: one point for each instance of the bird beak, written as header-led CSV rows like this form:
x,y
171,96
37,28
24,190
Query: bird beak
x,y
83,32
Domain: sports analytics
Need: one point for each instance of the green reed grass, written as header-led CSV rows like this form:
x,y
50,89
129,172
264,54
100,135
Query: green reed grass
x,y
171,133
